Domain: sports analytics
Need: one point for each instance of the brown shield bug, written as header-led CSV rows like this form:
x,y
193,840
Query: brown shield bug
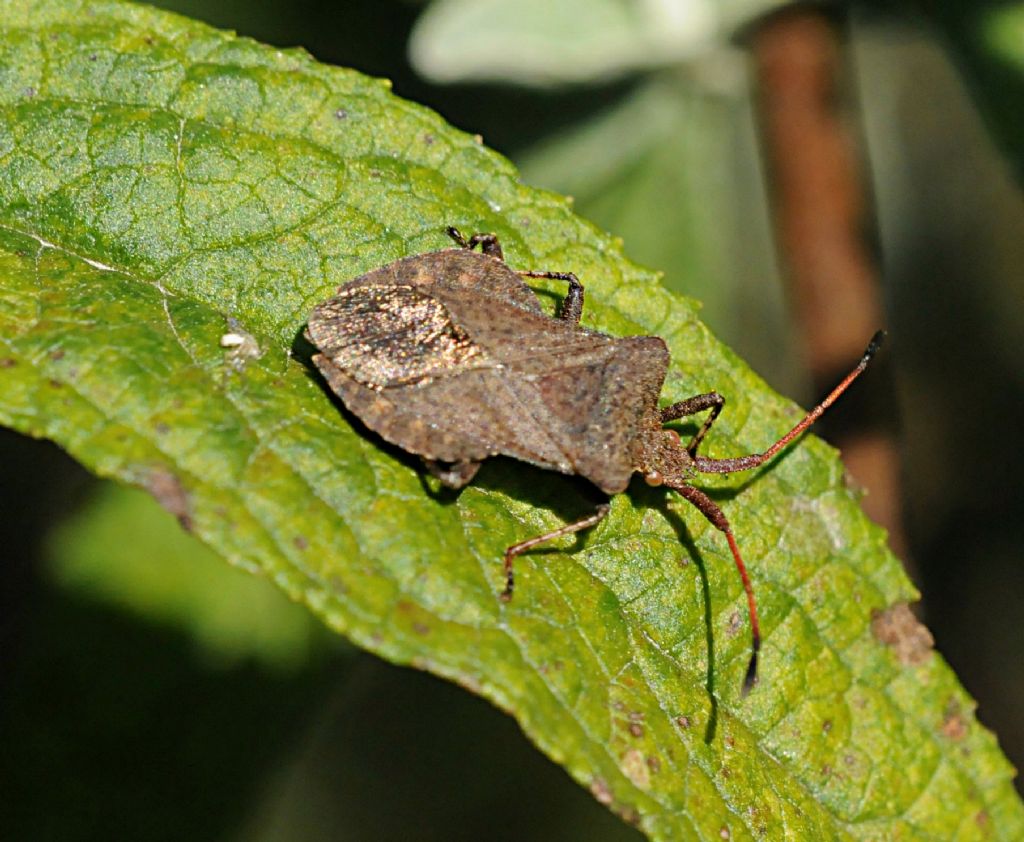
x,y
449,356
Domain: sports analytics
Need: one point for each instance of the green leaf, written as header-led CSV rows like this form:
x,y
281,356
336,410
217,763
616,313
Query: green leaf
x,y
157,177
539,43
1003,28
987,40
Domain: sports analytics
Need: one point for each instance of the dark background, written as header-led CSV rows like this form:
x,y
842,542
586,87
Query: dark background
x,y
116,725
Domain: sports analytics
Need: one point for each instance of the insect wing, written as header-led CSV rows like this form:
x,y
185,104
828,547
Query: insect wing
x,y
390,335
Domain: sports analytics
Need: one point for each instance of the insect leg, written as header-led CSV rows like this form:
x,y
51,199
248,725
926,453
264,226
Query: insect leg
x,y
488,242
691,406
744,463
572,306
455,475
716,517
523,546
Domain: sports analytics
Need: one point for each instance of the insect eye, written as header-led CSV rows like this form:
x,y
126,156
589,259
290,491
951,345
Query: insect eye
x,y
654,478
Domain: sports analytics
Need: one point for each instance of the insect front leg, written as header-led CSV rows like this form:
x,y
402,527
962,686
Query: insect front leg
x,y
454,475
517,549
488,242
691,406
572,306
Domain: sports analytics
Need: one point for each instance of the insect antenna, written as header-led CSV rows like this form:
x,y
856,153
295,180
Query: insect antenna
x,y
745,463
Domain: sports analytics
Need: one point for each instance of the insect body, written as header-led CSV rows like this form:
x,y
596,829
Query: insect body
x,y
449,355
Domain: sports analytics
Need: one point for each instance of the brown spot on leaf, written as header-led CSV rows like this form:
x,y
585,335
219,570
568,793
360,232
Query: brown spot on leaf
x,y
683,722
654,764
630,815
954,725
300,542
635,768
826,726
724,832
599,789
7,362
168,491
469,682
898,628
57,355
421,628
636,729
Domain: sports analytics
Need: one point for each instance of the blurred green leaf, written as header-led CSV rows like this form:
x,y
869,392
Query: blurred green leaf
x,y
536,42
124,549
158,176
987,39
625,167
1003,29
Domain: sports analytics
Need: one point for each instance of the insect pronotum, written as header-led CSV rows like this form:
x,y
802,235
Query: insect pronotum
x,y
448,355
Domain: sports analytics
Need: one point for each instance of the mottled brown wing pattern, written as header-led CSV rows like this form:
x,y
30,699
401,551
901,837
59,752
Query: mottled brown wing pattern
x,y
449,420
391,335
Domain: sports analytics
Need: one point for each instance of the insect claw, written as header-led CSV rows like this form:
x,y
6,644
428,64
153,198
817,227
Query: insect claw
x,y
751,677
456,235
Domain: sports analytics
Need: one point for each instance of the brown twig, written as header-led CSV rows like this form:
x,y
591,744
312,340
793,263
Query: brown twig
x,y
824,224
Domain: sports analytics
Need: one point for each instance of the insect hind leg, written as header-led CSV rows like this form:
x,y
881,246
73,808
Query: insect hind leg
x,y
488,242
517,549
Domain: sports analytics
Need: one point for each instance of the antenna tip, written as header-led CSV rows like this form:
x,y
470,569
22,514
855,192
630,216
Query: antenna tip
x,y
751,677
874,345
